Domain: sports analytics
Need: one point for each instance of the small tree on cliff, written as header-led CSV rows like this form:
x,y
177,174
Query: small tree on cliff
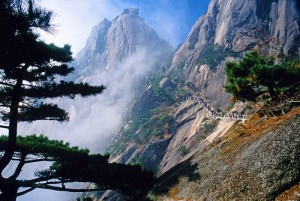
x,y
30,72
256,76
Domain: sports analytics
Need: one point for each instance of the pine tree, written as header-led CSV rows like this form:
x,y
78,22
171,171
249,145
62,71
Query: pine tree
x,y
30,72
257,76
68,165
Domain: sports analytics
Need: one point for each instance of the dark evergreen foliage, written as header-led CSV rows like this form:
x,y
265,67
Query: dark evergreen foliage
x,y
71,164
213,55
257,76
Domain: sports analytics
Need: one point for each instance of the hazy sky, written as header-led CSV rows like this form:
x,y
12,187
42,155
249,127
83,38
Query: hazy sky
x,y
172,19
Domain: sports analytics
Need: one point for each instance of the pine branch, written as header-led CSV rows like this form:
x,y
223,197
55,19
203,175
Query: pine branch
x,y
46,73
36,160
6,84
43,112
41,160
6,127
26,191
19,167
67,89
56,188
33,182
56,182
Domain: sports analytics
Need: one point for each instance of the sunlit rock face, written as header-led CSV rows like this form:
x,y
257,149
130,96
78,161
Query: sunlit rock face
x,y
119,54
239,26
112,42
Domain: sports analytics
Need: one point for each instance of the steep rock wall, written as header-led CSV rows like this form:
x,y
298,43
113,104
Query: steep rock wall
x,y
240,26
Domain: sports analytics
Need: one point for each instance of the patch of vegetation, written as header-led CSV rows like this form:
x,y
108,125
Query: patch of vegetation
x,y
157,126
137,161
183,150
160,95
204,119
207,127
142,128
258,77
184,92
218,108
213,55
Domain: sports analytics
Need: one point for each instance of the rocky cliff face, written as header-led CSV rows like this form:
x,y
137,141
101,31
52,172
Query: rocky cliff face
x,y
238,26
111,43
229,28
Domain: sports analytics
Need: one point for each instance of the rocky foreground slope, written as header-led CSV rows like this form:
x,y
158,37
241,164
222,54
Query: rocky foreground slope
x,y
255,161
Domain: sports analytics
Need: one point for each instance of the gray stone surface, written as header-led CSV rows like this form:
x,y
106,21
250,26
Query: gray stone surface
x,y
257,170
239,25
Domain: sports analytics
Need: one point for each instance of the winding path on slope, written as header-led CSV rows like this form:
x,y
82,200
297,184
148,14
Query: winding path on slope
x,y
217,115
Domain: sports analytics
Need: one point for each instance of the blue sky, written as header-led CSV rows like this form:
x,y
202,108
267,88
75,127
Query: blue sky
x,y
172,19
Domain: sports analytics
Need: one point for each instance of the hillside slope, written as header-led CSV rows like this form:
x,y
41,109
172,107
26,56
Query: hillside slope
x,y
255,161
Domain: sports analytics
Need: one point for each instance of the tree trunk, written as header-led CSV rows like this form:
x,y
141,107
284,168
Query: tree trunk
x,y
9,192
13,122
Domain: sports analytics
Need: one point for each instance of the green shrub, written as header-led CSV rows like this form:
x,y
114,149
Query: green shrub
x,y
183,150
213,55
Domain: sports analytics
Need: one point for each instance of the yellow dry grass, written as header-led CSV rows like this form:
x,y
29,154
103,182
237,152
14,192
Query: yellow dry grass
x,y
173,194
242,134
292,194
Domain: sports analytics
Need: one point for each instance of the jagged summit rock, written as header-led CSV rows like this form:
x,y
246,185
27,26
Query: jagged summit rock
x,y
112,42
131,11
240,24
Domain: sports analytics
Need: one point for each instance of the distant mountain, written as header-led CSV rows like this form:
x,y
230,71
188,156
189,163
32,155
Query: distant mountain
x,y
113,43
120,54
